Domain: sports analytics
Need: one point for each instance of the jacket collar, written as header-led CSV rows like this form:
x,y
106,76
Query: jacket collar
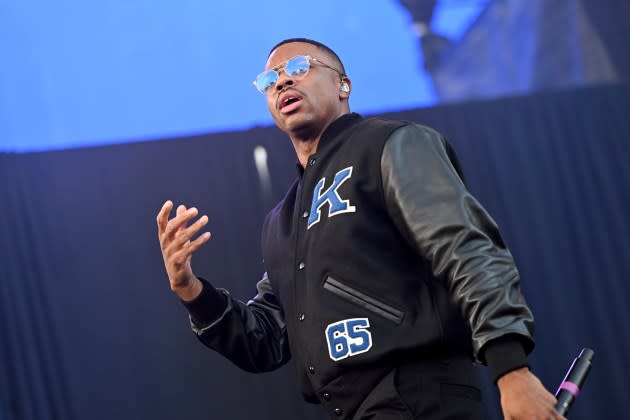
x,y
337,126
331,132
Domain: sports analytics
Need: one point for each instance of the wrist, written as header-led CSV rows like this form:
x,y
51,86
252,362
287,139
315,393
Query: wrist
x,y
190,291
507,378
207,306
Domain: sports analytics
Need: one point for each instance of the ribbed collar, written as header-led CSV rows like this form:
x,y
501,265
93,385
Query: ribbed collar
x,y
333,130
337,126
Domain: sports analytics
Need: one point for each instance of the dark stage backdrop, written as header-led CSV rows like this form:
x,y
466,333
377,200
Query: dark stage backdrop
x,y
90,329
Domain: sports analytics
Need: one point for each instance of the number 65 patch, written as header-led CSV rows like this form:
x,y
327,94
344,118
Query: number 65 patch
x,y
348,337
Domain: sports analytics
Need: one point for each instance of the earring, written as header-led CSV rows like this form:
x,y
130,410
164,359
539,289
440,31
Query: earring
x,y
344,87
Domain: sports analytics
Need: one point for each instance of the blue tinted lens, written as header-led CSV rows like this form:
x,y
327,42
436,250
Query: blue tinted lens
x,y
297,66
266,79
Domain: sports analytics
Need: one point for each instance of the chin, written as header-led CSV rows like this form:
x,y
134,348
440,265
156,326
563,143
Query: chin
x,y
299,123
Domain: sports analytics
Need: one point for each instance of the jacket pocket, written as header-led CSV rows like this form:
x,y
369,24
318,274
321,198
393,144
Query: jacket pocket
x,y
361,299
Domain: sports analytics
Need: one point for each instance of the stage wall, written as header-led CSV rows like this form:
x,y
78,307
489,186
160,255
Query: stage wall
x,y
91,330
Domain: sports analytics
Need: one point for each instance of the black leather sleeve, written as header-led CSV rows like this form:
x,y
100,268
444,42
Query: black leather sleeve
x,y
253,335
432,208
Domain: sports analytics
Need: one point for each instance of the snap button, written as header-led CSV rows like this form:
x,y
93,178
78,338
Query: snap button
x,y
301,317
311,369
305,214
338,412
301,266
326,396
311,161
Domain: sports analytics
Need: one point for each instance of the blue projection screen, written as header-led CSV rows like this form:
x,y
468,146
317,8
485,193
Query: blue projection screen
x,y
86,73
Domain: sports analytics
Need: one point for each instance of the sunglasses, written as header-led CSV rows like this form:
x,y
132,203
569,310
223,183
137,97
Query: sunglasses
x,y
296,68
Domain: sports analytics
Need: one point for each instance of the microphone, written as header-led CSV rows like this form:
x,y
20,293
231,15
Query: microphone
x,y
573,381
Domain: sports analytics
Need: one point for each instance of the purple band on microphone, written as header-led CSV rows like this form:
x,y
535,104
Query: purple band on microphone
x,y
571,387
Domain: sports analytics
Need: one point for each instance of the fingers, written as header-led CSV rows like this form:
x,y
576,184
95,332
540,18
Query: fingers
x,y
162,217
202,239
187,250
175,235
551,400
181,209
523,396
183,236
558,416
179,220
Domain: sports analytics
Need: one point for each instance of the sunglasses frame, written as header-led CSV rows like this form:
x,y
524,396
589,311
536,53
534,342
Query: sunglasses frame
x,y
281,67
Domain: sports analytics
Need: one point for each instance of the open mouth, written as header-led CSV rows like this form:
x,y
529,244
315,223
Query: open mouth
x,y
289,103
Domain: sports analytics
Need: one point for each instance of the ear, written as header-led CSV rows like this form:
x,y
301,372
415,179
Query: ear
x,y
345,87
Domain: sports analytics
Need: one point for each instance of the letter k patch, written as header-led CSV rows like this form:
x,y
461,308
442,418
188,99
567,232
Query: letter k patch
x,y
336,205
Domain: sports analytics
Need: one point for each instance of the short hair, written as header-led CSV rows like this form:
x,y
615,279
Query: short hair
x,y
312,42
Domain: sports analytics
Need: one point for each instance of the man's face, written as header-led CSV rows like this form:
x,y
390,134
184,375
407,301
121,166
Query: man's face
x,y
319,100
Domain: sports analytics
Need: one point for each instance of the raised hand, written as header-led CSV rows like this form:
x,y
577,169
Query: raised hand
x,y
177,247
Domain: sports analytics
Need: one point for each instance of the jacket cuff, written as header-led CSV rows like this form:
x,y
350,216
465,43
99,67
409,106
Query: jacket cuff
x,y
208,306
504,355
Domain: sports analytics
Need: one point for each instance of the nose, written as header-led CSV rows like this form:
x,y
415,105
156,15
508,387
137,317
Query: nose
x,y
283,82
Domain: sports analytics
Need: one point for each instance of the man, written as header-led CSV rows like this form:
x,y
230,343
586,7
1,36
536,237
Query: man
x,y
384,276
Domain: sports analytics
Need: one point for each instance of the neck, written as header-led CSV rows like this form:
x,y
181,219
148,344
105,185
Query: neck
x,y
304,149
305,142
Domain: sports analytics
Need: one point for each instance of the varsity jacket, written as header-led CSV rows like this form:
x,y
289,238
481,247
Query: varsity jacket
x,y
378,254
